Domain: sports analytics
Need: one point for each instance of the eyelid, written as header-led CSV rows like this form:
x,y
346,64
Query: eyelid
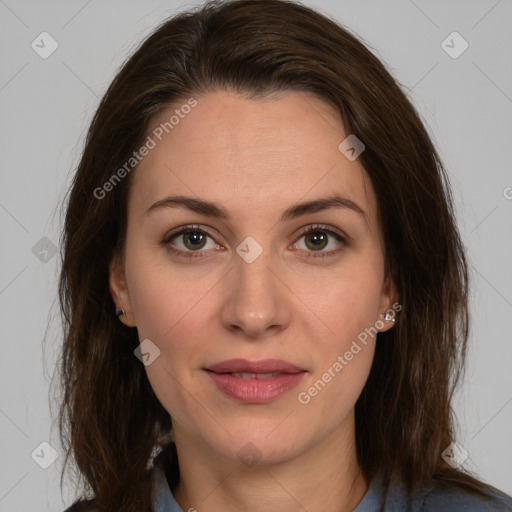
x,y
323,227
179,229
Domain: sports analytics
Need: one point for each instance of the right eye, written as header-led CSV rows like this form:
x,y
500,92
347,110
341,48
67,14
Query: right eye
x,y
190,242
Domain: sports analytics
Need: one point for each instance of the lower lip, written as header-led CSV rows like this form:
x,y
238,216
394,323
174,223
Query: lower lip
x,y
255,391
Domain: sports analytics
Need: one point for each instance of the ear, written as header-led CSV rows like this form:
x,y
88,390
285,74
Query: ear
x,y
119,290
388,304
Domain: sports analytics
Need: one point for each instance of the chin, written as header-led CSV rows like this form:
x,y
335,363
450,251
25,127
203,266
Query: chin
x,y
261,443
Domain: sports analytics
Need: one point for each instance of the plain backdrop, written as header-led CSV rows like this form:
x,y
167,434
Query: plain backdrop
x,y
46,106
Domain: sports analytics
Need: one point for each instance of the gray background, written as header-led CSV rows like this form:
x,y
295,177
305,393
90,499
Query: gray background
x,y
46,106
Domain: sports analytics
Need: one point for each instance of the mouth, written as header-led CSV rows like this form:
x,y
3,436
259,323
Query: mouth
x,y
255,381
259,376
265,367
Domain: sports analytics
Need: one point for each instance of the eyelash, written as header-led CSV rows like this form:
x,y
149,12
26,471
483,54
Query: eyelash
x,y
193,228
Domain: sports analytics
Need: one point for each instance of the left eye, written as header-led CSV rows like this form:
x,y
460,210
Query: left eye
x,y
317,239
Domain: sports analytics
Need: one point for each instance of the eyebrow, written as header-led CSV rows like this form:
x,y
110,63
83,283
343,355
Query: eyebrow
x,y
211,209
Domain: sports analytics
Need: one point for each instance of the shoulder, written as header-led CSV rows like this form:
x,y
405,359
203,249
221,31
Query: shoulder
x,y
432,496
439,496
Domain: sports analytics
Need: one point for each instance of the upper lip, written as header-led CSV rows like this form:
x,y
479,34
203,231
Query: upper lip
x,y
263,366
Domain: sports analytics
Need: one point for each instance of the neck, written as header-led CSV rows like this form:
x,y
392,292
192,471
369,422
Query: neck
x,y
325,477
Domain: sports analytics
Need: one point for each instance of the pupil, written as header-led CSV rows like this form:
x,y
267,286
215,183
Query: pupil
x,y
194,238
317,240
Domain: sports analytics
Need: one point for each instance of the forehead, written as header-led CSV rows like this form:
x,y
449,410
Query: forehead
x,y
247,153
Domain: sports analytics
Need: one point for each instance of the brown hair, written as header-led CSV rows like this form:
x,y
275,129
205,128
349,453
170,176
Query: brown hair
x,y
110,419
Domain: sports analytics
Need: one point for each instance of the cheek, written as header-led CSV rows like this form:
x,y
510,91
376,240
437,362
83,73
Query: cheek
x,y
170,309
343,353
166,298
346,306
343,329
170,316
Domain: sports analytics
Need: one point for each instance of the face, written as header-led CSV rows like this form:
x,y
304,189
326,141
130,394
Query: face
x,y
256,280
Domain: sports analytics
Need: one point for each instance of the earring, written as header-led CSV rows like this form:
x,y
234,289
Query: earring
x,y
120,312
388,317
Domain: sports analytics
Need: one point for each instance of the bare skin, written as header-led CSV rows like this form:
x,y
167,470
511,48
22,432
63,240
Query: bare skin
x,y
255,159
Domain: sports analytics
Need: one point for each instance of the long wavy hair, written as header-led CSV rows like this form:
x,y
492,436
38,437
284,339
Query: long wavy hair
x,y
110,420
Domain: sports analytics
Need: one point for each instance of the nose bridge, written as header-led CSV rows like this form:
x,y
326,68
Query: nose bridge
x,y
256,301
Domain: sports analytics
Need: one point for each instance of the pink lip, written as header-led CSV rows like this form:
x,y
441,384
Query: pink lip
x,y
255,390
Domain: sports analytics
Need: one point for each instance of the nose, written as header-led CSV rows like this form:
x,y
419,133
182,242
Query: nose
x,y
257,303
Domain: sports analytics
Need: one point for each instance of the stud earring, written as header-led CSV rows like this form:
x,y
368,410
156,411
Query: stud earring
x,y
388,317
120,312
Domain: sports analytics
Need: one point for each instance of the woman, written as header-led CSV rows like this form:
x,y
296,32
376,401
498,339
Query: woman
x,y
262,280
